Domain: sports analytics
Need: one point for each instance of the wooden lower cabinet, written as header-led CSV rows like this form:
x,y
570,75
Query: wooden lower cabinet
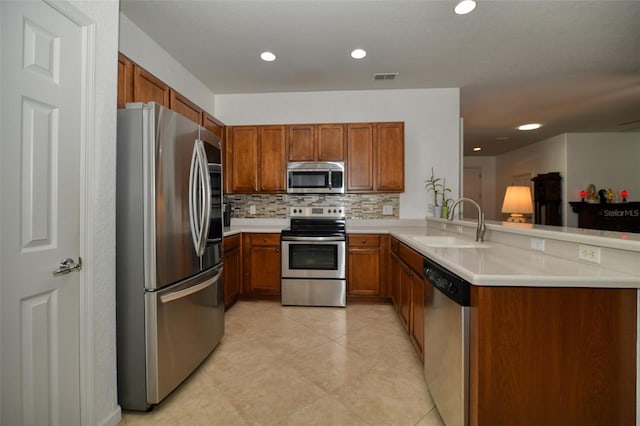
x,y
552,356
419,286
408,286
261,265
232,269
366,267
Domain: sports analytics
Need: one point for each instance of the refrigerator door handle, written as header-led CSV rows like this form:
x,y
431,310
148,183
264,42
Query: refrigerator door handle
x,y
206,196
199,197
194,223
166,298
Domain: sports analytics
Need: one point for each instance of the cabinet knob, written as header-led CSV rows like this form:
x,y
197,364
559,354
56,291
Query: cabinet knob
x,y
277,250
364,241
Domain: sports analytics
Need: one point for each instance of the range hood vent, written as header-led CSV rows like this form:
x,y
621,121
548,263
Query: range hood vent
x,y
385,76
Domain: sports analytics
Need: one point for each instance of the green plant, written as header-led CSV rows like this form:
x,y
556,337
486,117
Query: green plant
x,y
433,184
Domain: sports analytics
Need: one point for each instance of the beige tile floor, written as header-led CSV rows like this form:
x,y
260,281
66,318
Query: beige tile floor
x,y
303,366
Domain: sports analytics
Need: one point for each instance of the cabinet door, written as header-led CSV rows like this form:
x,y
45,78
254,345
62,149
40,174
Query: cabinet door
x,y
405,296
330,142
390,157
185,107
242,156
363,265
394,281
301,142
210,123
232,270
147,88
360,157
265,264
272,158
125,80
417,313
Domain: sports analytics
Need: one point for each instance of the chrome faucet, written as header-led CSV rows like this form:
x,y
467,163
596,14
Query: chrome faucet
x,y
482,228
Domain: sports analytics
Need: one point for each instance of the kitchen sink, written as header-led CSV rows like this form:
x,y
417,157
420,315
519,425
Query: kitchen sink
x,y
447,241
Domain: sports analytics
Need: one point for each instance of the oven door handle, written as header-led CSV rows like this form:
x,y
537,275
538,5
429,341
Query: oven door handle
x,y
313,239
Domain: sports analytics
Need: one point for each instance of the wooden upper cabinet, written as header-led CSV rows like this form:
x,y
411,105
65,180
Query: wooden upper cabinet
x,y
125,81
375,160
272,146
390,157
301,142
185,107
242,159
255,158
210,123
316,142
330,142
147,88
360,157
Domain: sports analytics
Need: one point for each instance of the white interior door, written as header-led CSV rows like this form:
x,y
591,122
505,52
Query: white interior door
x,y
41,129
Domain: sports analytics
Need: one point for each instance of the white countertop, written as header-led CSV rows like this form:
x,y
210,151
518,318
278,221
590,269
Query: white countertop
x,y
502,264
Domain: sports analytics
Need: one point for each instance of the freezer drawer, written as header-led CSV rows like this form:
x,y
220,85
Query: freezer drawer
x,y
185,322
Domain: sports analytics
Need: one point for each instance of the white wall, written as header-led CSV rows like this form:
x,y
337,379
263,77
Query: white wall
x,y
487,166
101,264
547,156
608,160
431,118
140,48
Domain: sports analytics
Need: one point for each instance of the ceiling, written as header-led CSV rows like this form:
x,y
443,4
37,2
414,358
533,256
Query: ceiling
x,y
573,66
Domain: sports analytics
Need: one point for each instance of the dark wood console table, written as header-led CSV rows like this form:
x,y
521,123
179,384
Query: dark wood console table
x,y
623,217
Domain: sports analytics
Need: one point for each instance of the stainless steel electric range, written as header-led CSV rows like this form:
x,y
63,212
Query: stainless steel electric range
x,y
314,257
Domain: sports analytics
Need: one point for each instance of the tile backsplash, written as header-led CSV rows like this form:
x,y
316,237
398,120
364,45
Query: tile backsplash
x,y
358,206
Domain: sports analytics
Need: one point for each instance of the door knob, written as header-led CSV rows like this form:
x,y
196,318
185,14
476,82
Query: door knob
x,y
68,265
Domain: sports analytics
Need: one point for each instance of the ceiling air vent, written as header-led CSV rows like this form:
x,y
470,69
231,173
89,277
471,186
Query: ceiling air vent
x,y
385,76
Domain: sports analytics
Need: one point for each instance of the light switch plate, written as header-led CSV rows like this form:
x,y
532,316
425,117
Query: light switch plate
x,y
387,209
252,209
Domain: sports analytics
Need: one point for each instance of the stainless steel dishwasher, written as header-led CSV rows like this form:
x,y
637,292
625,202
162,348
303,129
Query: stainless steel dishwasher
x,y
446,343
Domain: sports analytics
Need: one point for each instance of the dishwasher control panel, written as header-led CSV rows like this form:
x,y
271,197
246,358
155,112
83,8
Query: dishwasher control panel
x,y
454,287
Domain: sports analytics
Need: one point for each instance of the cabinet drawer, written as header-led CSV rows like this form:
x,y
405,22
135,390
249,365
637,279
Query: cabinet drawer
x,y
412,258
265,239
363,240
231,243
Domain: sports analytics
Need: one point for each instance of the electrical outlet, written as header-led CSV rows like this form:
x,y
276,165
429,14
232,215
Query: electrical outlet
x,y
459,229
252,209
537,244
589,253
387,209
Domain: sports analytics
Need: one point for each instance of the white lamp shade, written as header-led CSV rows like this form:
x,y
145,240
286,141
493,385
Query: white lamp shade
x,y
517,199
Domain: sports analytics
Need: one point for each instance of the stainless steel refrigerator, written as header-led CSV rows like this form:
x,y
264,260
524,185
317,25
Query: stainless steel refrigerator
x,y
169,300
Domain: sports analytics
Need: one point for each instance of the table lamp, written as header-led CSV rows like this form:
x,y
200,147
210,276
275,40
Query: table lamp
x,y
517,202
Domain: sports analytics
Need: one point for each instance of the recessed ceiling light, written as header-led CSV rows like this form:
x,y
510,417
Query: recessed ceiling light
x,y
530,126
464,7
477,148
358,53
268,56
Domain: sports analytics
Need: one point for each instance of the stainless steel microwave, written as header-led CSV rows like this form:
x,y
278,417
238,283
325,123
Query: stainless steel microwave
x,y
315,177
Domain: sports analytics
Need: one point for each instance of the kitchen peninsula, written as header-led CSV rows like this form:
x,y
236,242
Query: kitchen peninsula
x,y
552,338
